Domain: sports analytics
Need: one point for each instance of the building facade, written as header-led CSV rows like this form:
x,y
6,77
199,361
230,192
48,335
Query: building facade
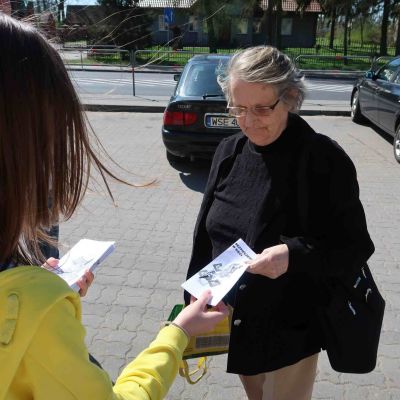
x,y
234,25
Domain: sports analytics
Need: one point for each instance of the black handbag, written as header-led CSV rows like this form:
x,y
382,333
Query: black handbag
x,y
352,322
351,319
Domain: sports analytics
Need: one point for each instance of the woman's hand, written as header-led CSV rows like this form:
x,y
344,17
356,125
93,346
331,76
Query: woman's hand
x,y
195,318
192,299
84,282
272,262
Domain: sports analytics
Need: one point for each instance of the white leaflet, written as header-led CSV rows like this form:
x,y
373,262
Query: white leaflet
x,y
86,254
222,273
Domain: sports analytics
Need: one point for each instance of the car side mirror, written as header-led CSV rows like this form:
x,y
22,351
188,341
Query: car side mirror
x,y
370,75
177,77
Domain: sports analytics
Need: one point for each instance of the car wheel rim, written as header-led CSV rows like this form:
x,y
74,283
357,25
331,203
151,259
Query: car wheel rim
x,y
354,105
397,146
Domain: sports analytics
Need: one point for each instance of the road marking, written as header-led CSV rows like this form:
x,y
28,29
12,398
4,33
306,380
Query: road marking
x,y
328,88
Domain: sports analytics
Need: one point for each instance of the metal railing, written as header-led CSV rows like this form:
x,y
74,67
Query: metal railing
x,y
162,59
173,61
97,56
337,62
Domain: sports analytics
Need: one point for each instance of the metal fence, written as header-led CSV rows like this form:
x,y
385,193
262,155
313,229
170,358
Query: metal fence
x,y
162,60
173,60
336,62
97,56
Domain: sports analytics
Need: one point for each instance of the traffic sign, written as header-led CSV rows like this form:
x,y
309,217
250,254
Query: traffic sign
x,y
168,15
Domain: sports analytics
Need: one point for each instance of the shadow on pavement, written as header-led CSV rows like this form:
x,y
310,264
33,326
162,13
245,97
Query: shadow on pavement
x,y
193,174
384,135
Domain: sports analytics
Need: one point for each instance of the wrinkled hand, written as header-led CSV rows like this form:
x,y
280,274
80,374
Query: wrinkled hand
x,y
84,282
195,318
272,262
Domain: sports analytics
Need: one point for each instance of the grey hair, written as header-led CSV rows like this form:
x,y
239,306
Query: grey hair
x,y
266,65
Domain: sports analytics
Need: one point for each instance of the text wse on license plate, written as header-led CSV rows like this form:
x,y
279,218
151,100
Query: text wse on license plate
x,y
220,121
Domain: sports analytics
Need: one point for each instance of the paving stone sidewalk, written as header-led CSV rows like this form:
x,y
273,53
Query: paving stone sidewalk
x,y
137,286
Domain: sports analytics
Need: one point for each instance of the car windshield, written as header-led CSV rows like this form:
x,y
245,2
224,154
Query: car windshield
x,y
200,79
387,72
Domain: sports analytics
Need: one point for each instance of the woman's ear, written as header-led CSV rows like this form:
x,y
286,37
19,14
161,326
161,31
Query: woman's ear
x,y
290,97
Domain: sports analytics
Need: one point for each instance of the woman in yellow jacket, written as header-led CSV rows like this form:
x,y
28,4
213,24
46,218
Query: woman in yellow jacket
x,y
45,153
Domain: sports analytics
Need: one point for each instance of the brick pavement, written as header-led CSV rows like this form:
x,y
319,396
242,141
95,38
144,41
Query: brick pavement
x,y
135,289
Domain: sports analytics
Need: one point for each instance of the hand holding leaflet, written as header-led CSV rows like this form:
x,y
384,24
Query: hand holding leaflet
x,y
222,273
85,255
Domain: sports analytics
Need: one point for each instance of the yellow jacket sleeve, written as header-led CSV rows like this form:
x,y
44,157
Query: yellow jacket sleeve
x,y
57,366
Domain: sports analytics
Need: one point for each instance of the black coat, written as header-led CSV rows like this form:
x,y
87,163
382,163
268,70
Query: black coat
x,y
275,321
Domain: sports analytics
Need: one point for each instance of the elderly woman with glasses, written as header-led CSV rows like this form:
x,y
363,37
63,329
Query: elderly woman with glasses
x,y
292,195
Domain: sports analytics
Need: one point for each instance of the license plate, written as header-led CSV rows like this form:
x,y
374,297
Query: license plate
x,y
220,121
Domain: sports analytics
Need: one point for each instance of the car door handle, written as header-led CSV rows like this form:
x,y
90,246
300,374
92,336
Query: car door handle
x,y
380,90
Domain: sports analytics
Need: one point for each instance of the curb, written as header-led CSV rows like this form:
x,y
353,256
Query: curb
x,y
123,108
160,109
328,113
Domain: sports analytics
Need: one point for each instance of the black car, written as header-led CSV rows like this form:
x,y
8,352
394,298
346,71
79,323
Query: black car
x,y
376,97
196,118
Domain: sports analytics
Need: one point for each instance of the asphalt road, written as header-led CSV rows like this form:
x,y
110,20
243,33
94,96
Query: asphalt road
x,y
136,287
152,84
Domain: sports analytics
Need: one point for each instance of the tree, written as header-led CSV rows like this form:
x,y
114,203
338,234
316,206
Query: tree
x,y
384,27
330,8
18,8
210,12
396,17
278,24
125,25
362,10
346,6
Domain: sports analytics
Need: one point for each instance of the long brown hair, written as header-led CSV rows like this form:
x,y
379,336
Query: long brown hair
x,y
45,152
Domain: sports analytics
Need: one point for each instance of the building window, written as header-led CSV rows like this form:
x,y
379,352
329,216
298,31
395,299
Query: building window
x,y
205,26
162,25
257,22
286,26
242,26
193,24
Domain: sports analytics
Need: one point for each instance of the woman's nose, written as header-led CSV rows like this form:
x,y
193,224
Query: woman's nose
x,y
249,119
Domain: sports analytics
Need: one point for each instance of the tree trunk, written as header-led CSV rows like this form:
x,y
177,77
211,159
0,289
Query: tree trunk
x,y
278,24
332,32
362,31
210,27
349,33
60,11
346,32
270,36
17,8
397,50
384,27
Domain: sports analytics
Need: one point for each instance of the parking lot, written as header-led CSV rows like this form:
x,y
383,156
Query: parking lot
x,y
135,289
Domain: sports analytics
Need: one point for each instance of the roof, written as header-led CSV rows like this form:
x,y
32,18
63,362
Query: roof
x,y
291,5
166,3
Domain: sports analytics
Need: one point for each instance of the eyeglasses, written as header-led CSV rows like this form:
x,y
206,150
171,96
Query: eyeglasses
x,y
259,111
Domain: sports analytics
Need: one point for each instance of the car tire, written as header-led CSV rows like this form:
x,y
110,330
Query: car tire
x,y
356,115
396,144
